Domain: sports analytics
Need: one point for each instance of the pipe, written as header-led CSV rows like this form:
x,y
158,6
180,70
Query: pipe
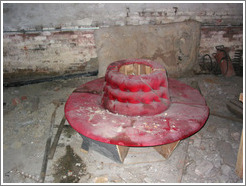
x,y
45,79
50,30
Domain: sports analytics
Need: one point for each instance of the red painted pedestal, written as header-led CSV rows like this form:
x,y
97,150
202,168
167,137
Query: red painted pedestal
x,y
185,116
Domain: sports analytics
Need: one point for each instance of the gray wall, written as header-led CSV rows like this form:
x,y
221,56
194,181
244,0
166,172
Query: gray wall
x,y
49,15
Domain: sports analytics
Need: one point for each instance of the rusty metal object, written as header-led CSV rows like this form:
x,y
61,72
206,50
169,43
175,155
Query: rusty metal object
x,y
223,59
48,142
56,139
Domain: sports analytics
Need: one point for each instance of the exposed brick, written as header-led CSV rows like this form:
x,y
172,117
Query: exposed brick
x,y
46,33
120,23
34,50
16,101
74,36
23,98
40,38
211,37
42,53
144,22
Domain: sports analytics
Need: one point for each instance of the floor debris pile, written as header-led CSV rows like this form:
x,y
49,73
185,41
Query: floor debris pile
x,y
209,156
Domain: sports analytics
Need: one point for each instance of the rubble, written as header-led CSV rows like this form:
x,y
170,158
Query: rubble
x,y
209,156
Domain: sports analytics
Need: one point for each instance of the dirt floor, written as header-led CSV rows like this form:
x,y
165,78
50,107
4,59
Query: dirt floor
x,y
209,156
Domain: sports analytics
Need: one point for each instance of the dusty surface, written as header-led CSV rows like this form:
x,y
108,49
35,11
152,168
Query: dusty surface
x,y
174,45
209,156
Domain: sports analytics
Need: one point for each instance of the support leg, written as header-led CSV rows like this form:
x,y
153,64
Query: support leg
x,y
239,164
114,152
166,150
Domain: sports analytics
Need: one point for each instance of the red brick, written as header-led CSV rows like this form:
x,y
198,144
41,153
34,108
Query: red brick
x,y
16,101
23,98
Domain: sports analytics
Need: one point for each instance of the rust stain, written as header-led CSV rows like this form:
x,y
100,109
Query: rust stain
x,y
64,33
132,122
26,50
209,80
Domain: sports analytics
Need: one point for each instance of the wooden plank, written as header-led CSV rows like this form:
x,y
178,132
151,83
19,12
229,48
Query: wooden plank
x,y
56,139
110,151
135,69
48,143
139,69
226,117
122,151
122,70
147,69
235,108
129,69
125,69
237,103
166,150
142,69
183,160
241,97
140,155
239,164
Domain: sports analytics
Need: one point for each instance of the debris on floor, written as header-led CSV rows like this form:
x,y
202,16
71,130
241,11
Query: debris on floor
x,y
209,156
69,168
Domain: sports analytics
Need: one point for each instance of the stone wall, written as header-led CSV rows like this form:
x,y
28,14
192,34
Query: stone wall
x,y
57,38
175,45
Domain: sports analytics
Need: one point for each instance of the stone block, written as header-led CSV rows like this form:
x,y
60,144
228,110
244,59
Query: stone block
x,y
46,33
227,153
83,22
40,38
204,168
174,45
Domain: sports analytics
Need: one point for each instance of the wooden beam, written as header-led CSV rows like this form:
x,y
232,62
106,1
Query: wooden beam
x,y
239,164
56,139
235,107
166,150
139,69
241,97
113,152
129,69
122,151
226,117
142,69
147,69
122,70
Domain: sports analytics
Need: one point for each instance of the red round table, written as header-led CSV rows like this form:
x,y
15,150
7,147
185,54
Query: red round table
x,y
186,115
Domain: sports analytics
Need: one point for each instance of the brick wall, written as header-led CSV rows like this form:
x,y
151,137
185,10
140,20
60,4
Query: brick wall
x,y
230,36
49,53
53,52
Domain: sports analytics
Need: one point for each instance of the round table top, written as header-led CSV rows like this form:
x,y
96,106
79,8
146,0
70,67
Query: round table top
x,y
186,115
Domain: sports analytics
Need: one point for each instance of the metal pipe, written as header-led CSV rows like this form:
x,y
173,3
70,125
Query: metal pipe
x,y
51,30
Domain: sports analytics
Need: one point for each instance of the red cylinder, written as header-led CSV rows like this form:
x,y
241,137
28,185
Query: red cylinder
x,y
141,94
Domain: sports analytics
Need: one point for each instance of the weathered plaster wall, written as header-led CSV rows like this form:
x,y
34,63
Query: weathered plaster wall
x,y
54,39
49,15
175,45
